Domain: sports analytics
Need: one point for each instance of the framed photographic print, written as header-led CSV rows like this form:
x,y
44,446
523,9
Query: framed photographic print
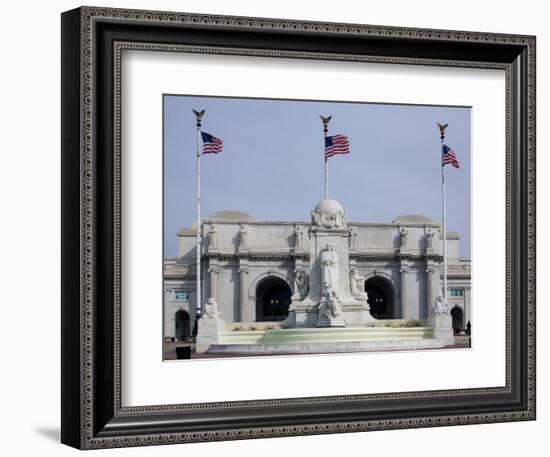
x,y
274,227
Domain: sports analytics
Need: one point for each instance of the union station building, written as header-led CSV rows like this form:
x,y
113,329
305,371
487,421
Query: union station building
x,y
249,267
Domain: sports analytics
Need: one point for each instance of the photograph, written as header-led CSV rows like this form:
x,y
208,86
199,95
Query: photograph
x,y
296,227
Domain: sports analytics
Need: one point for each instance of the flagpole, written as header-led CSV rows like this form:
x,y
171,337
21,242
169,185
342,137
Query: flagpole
x,y
326,176
325,121
444,209
198,240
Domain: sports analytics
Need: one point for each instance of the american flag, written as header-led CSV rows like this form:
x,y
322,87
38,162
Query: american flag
x,y
449,157
211,144
336,144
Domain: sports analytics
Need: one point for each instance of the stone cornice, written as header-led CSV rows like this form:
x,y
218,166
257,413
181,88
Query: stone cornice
x,y
192,232
290,254
434,257
463,276
250,254
169,276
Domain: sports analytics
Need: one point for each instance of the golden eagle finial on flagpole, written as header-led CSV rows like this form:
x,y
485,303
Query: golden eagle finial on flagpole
x,y
442,128
325,120
199,115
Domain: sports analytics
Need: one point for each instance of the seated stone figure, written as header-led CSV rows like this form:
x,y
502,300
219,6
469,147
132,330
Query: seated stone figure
x,y
329,307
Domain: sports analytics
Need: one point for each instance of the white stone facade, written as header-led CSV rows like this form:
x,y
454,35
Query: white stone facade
x,y
246,262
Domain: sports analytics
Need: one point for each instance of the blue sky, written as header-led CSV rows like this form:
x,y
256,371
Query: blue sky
x,y
272,162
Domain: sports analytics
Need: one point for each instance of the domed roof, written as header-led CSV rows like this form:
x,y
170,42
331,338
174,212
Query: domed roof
x,y
329,206
413,219
230,216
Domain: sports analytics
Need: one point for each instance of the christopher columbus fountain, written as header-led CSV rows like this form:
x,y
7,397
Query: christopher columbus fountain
x,y
334,297
329,311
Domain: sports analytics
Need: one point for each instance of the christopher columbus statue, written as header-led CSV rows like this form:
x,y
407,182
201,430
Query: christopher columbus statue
x,y
329,268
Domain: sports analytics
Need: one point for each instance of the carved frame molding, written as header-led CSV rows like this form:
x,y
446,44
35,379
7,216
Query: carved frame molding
x,y
92,415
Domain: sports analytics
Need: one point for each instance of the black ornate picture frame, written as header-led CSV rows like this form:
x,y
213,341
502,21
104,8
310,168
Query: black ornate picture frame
x,y
92,414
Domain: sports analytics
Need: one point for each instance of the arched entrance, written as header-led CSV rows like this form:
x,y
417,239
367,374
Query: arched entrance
x,y
182,325
272,299
380,299
458,319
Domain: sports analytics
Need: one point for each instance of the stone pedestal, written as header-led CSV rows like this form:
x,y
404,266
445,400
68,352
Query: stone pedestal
x,y
210,326
330,322
441,321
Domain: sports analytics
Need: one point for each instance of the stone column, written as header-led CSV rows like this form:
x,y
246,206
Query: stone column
x,y
404,312
244,313
403,235
467,304
429,286
169,330
214,270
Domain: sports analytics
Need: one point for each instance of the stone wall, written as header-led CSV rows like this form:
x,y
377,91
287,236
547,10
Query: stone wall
x,y
237,255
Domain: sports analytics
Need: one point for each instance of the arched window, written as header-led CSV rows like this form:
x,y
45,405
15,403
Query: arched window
x,y
380,298
458,319
272,299
182,324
